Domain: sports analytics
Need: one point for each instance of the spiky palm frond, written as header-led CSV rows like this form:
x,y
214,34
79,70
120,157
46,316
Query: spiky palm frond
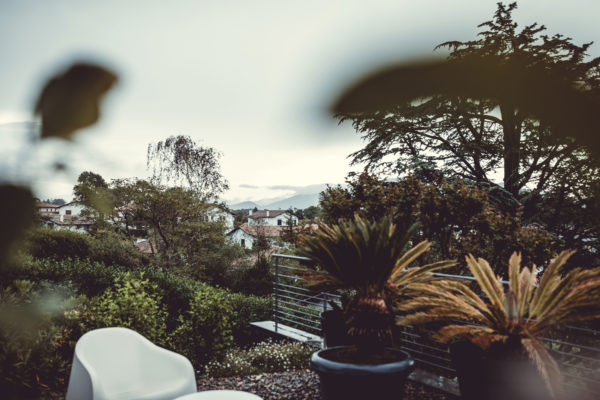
x,y
359,254
525,311
368,257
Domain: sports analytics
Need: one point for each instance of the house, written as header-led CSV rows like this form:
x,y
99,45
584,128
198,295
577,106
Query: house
x,y
75,224
218,213
72,209
67,216
271,218
245,235
47,209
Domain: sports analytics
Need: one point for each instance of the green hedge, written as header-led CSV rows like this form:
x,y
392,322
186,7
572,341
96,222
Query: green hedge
x,y
106,247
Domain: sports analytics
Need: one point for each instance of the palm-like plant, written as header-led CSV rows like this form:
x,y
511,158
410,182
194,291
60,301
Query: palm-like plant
x,y
520,315
369,259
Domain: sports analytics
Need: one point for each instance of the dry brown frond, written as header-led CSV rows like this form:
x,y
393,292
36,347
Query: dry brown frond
x,y
545,364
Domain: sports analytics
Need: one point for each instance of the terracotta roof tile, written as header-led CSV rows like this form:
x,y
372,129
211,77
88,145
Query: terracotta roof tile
x,y
263,214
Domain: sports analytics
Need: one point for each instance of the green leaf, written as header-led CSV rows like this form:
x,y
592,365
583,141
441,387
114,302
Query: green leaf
x,y
71,100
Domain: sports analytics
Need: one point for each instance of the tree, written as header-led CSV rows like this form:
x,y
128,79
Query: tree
x,y
175,220
58,202
473,138
91,190
179,160
311,213
456,217
555,178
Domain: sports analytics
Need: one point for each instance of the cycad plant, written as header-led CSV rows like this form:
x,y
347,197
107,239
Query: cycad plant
x,y
518,316
369,259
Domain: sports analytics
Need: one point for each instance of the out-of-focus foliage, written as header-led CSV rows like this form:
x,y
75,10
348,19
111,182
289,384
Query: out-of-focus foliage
x,y
457,218
17,215
521,315
71,100
180,160
36,340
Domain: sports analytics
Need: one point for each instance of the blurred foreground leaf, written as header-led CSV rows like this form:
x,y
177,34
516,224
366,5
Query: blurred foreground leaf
x,y
17,215
71,100
535,90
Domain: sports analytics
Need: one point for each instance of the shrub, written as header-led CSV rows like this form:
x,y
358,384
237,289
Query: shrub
x,y
112,249
133,303
35,345
266,357
85,276
59,243
255,280
248,309
205,330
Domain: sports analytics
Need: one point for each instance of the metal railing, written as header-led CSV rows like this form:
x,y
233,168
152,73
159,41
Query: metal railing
x,y
295,305
576,349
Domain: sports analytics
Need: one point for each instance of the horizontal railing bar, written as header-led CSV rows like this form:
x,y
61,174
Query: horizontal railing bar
x,y
291,286
294,277
570,344
435,365
579,367
578,388
299,317
290,257
429,355
575,377
317,304
299,323
316,317
318,308
576,356
302,295
426,346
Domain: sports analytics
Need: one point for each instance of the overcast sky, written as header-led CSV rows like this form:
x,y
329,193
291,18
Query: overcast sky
x,y
251,78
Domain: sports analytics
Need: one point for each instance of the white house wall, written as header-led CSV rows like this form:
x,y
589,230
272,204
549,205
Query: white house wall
x,y
272,221
75,209
238,235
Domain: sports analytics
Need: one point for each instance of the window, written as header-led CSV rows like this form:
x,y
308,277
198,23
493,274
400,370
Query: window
x,y
278,222
68,212
243,242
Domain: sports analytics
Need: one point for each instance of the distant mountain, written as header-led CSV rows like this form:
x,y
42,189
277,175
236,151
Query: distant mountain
x,y
298,201
244,205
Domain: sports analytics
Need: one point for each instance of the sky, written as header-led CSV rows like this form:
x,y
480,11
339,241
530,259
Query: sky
x,y
252,79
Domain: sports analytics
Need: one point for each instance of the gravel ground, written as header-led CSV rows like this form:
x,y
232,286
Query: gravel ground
x,y
300,385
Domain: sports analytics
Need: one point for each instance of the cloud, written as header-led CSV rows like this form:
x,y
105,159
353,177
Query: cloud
x,y
246,186
309,189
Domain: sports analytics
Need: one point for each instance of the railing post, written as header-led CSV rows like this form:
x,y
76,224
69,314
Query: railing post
x,y
275,286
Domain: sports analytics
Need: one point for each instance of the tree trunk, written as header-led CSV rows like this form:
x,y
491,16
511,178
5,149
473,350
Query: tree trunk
x,y
512,147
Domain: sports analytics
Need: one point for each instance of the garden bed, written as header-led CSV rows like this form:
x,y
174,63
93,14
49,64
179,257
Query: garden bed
x,y
301,385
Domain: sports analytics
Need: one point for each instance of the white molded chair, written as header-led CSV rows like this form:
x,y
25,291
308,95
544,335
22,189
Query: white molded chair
x,y
121,364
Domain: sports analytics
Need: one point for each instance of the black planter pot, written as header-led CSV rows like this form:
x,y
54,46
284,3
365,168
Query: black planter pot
x,y
333,328
346,381
502,373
